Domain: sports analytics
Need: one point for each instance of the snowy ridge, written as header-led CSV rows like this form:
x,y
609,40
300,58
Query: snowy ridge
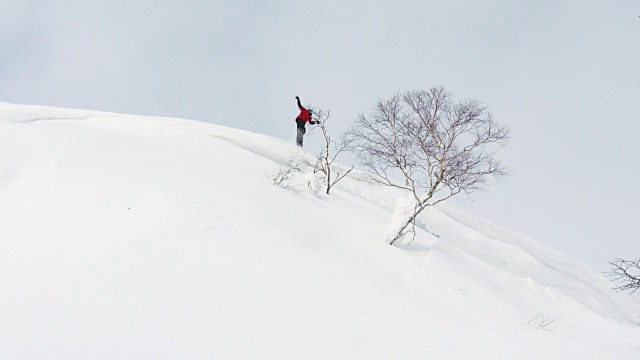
x,y
137,237
528,258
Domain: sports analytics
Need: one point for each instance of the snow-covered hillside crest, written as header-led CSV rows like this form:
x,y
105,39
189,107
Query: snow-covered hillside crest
x,y
145,237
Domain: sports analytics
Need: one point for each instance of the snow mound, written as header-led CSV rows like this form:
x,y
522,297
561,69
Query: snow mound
x,y
145,237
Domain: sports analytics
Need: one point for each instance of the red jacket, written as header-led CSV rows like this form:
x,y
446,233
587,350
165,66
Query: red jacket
x,y
304,114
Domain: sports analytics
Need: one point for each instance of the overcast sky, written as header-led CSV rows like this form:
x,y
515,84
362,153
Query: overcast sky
x,y
564,76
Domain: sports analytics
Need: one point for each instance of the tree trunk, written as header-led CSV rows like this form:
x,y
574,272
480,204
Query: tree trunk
x,y
411,219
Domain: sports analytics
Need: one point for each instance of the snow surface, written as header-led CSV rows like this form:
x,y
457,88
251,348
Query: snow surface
x,y
130,237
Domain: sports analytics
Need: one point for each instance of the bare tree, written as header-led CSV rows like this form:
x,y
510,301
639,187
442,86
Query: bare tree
x,y
325,160
626,273
436,146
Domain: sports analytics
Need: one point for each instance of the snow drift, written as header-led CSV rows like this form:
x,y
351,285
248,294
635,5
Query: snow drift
x,y
145,237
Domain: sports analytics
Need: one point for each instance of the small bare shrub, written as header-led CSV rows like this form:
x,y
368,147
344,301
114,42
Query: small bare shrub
x,y
543,322
325,160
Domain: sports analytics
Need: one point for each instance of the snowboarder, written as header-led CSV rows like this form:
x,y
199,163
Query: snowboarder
x,y
301,120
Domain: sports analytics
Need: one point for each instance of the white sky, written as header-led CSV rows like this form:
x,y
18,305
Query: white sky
x,y
563,75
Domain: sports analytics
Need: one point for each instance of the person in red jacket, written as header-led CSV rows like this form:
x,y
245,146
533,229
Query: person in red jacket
x,y
303,118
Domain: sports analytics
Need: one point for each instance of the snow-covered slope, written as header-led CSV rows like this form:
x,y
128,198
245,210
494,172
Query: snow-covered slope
x,y
128,237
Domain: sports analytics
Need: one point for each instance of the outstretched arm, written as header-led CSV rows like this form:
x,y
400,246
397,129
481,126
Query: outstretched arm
x,y
299,105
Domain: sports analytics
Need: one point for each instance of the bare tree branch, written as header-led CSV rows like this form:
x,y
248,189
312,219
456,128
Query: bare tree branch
x,y
626,273
543,322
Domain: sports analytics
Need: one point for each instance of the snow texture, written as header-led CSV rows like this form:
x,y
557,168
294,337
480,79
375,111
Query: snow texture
x,y
131,237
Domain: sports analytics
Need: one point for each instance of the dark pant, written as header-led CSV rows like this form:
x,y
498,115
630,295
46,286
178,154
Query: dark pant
x,y
300,131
